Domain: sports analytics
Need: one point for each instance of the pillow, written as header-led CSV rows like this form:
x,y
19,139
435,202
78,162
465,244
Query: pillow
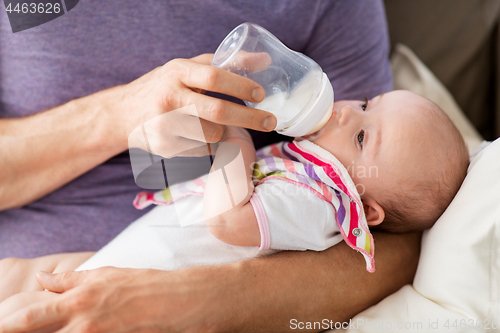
x,y
457,284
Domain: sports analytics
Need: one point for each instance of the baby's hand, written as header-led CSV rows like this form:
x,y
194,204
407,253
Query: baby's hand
x,y
18,275
236,135
234,132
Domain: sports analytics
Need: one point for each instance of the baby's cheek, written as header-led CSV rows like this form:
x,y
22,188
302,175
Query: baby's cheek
x,y
368,181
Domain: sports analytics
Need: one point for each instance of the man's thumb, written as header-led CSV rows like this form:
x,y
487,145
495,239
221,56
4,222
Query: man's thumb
x,y
60,282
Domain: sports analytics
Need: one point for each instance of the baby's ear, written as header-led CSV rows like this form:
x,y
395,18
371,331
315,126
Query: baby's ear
x,y
374,212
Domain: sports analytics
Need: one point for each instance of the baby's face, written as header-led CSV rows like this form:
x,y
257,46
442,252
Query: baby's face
x,y
379,141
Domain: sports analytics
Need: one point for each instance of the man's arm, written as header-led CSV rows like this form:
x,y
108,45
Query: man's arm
x,y
41,153
331,284
260,295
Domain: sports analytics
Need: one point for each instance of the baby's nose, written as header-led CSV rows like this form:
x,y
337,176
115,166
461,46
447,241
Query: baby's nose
x,y
345,114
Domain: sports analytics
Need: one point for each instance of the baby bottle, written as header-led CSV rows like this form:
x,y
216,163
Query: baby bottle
x,y
298,93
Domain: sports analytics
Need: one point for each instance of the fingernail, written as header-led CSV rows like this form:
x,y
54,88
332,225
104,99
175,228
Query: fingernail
x,y
258,94
44,273
269,123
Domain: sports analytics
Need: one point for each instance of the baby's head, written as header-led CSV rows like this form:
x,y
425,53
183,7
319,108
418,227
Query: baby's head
x,y
404,154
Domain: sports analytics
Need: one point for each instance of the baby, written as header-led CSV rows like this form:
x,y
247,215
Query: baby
x,y
393,163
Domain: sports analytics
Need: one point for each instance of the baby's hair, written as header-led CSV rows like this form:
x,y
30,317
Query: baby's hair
x,y
421,201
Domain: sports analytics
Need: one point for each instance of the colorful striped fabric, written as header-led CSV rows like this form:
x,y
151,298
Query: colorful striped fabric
x,y
328,179
171,193
291,162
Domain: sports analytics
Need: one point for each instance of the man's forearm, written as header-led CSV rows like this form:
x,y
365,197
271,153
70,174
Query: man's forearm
x,y
41,153
312,286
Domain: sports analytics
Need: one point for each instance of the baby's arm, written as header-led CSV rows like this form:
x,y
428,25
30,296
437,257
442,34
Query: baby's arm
x,y
228,212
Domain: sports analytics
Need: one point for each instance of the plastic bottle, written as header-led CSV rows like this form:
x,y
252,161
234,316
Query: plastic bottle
x,y
298,93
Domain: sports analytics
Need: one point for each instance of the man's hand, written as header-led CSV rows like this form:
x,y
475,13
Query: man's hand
x,y
126,300
158,101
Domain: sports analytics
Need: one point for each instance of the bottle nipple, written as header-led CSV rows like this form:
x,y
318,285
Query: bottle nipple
x,y
322,122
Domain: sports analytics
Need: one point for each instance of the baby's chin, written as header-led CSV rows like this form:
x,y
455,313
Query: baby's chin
x,y
310,137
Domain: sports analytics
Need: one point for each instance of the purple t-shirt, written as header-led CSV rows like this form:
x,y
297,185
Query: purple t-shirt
x,y
100,44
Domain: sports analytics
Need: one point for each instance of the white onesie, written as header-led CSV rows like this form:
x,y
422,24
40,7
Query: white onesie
x,y
304,199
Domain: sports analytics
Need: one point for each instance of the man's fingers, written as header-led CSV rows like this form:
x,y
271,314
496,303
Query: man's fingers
x,y
224,112
45,314
204,59
196,76
75,326
61,282
210,78
175,132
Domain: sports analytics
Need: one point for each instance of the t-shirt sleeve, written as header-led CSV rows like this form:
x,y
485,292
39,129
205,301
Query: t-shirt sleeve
x,y
351,43
292,217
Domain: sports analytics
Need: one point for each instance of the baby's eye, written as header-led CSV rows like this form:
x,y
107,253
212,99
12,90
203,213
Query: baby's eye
x,y
365,105
361,137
